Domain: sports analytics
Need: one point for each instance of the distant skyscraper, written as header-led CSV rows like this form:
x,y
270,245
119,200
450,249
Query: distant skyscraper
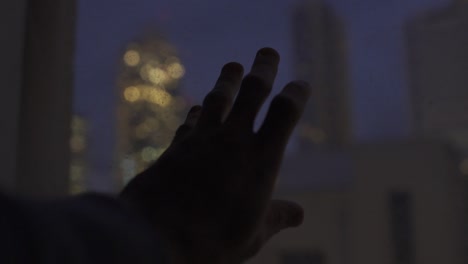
x,y
438,72
150,105
320,59
79,163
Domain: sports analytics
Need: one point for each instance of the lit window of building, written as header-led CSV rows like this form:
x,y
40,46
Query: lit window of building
x,y
79,154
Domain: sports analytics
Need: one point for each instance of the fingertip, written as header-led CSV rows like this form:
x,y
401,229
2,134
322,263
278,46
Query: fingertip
x,y
194,109
297,217
286,214
298,88
294,97
233,67
193,115
267,51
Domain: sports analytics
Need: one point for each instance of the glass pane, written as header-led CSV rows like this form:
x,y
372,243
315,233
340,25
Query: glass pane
x,y
388,111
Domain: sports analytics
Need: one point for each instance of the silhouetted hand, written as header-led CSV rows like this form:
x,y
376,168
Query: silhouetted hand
x,y
209,194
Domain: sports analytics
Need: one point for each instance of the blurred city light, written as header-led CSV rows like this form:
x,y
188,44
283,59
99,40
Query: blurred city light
x,y
152,107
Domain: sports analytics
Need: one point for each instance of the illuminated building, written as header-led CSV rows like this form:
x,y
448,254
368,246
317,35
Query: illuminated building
x,y
79,154
320,59
150,105
438,72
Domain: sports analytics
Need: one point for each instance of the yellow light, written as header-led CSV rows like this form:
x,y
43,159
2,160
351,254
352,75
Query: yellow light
x,y
77,144
76,179
76,189
464,167
78,124
76,173
145,92
132,58
151,123
149,154
132,94
159,97
173,123
144,71
146,128
141,132
128,167
157,76
171,60
176,70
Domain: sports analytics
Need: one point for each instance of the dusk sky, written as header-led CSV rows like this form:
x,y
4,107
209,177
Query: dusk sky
x,y
208,34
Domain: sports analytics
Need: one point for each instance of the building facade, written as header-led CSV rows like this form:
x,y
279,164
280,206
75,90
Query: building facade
x,y
320,59
438,61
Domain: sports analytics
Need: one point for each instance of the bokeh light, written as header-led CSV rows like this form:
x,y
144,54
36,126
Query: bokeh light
x,y
132,94
176,70
157,75
152,107
132,58
77,144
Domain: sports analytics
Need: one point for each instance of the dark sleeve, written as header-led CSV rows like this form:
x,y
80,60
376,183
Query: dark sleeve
x,y
89,228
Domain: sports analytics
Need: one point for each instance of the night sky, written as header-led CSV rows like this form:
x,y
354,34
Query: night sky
x,y
208,34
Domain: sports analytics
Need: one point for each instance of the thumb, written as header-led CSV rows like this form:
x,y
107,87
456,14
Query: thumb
x,y
282,214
